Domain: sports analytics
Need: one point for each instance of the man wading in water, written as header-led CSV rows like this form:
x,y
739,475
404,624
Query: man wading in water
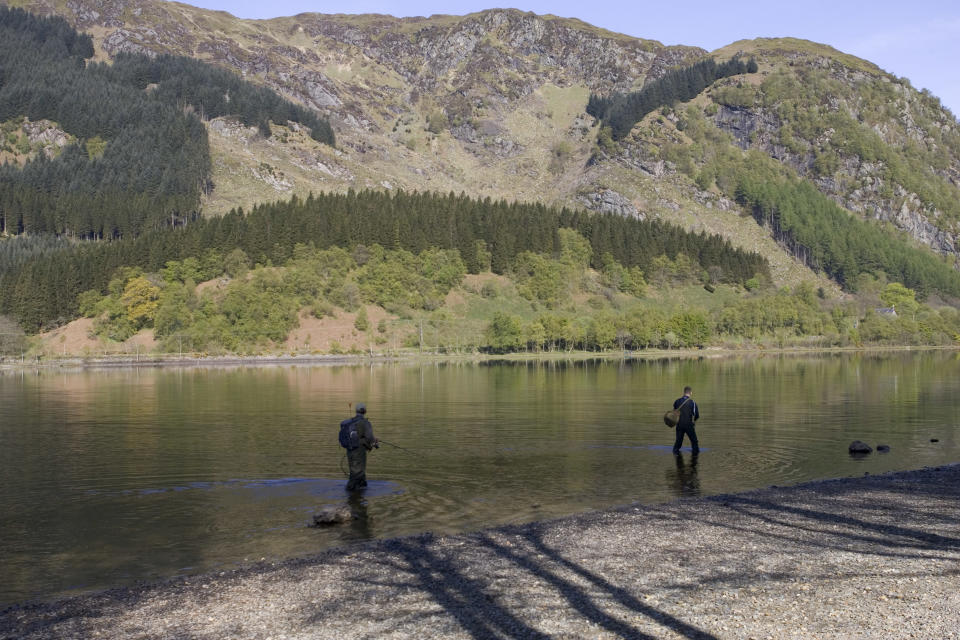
x,y
356,436
689,414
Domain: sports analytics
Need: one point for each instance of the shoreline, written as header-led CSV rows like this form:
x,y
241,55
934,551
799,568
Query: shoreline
x,y
870,556
133,361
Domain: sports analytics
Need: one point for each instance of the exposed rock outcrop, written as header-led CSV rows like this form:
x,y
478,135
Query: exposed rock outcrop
x,y
609,201
758,128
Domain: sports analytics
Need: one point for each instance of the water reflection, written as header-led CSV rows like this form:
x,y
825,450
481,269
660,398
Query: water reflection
x,y
684,476
361,517
107,477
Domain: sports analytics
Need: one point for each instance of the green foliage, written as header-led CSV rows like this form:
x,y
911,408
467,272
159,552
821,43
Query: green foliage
x,y
681,270
559,154
606,142
362,322
175,311
738,96
236,264
900,298
542,278
443,267
40,285
829,239
96,146
796,313
575,250
252,311
88,303
504,333
619,278
13,339
140,300
399,277
437,122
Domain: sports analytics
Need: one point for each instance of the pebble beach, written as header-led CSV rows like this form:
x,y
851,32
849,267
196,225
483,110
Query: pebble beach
x,y
867,557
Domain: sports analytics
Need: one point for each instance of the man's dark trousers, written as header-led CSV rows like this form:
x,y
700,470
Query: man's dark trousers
x,y
357,459
691,432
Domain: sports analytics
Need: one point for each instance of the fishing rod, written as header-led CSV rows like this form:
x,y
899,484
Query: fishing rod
x,y
396,446
343,458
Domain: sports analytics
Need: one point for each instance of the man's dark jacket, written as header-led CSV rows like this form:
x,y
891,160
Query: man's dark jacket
x,y
689,412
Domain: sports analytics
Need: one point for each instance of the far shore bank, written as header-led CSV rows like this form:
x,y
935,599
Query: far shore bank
x,y
197,360
872,556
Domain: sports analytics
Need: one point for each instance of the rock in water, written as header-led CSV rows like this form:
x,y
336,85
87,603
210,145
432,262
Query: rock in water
x,y
883,448
860,447
333,514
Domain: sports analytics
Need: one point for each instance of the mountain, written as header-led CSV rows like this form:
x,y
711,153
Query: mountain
x,y
493,104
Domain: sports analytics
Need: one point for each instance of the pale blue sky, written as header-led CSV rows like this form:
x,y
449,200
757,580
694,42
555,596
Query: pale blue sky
x,y
918,39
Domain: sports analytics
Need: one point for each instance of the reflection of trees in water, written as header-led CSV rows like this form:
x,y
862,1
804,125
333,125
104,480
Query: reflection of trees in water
x,y
684,478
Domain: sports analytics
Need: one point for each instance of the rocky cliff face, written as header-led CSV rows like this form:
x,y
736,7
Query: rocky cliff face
x,y
498,55
872,143
856,185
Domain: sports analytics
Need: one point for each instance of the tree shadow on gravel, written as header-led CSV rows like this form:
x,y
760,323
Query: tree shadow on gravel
x,y
854,529
475,603
468,600
580,600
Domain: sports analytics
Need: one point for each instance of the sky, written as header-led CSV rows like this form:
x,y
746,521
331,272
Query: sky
x,y
918,39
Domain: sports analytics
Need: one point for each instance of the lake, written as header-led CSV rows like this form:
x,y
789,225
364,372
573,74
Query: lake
x,y
110,477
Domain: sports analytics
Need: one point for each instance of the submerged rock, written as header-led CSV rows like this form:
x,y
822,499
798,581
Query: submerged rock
x,y
332,514
860,447
883,448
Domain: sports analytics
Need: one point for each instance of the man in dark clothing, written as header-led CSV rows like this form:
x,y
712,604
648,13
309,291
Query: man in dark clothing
x,y
689,414
358,439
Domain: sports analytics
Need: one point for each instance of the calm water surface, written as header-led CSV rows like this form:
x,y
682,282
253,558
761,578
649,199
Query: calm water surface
x,y
111,477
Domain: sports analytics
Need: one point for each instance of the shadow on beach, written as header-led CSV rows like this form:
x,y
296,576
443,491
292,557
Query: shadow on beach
x,y
633,572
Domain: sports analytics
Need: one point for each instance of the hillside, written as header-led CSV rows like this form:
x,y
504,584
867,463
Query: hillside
x,y
494,105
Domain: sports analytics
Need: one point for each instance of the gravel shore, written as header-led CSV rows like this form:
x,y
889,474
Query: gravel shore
x,y
870,557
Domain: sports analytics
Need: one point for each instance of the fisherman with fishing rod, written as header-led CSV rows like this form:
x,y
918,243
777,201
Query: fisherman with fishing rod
x,y
356,436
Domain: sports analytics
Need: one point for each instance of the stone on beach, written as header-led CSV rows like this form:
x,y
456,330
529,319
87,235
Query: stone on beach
x,y
333,514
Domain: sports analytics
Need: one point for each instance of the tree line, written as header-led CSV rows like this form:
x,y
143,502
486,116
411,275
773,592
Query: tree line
x,y
829,239
41,290
142,158
623,110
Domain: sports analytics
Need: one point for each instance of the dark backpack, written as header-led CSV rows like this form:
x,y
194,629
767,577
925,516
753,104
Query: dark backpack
x,y
349,437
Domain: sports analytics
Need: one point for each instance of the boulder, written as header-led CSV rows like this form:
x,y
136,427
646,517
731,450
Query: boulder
x,y
332,514
860,447
883,448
